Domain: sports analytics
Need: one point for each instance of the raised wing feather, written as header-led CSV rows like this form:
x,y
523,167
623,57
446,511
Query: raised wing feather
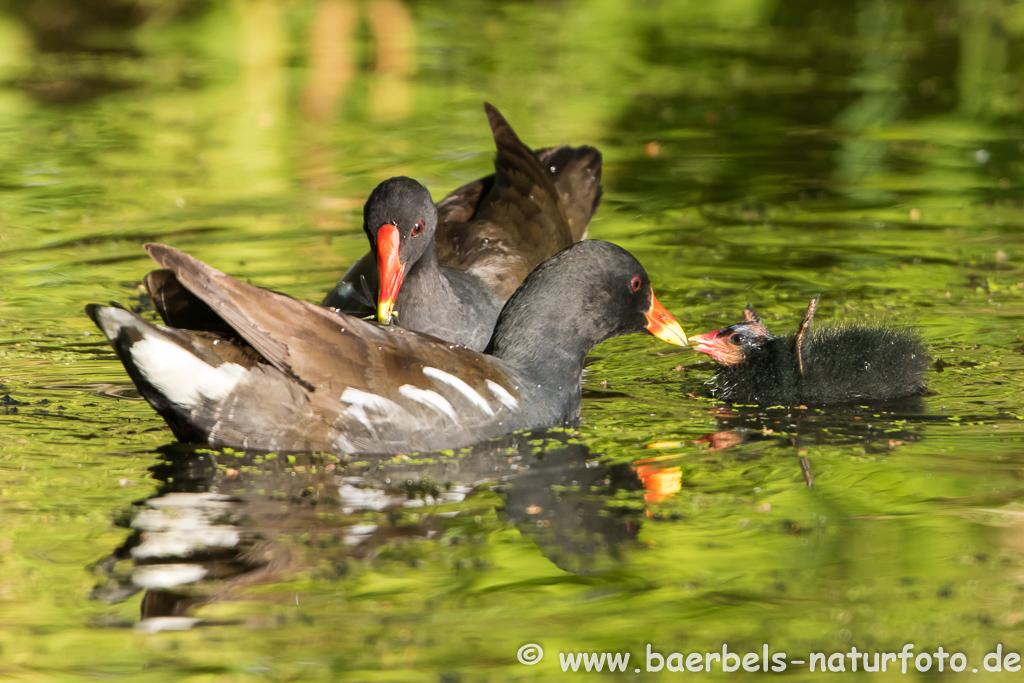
x,y
519,221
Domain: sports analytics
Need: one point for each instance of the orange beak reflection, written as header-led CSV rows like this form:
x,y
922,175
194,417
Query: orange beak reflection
x,y
390,271
662,325
661,480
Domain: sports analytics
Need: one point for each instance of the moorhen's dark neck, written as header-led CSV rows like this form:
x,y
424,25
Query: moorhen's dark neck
x,y
424,270
426,289
545,332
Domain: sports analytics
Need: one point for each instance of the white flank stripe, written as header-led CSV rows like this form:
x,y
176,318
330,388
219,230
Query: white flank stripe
x,y
367,400
359,401
429,398
359,413
501,392
460,386
180,376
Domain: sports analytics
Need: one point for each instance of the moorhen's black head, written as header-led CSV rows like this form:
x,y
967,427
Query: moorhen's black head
x,y
400,219
731,345
581,296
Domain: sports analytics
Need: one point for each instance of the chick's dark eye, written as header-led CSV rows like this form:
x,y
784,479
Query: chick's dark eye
x,y
418,228
737,339
635,283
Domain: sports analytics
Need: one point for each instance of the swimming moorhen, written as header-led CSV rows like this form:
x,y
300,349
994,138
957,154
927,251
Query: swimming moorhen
x,y
447,270
296,376
839,363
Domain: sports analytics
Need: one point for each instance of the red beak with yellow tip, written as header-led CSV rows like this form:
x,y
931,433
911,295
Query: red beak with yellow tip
x,y
705,343
390,271
662,325
720,348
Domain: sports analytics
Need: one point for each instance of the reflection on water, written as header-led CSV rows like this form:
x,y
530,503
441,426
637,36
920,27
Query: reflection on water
x,y
756,151
883,425
220,520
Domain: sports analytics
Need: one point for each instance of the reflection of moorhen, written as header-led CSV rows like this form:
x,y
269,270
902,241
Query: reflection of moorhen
x,y
577,511
834,364
313,380
447,270
223,520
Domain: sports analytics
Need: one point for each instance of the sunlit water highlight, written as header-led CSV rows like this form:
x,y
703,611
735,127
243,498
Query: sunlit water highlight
x,y
755,152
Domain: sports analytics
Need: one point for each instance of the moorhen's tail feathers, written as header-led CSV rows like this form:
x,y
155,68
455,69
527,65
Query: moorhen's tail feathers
x,y
192,379
576,173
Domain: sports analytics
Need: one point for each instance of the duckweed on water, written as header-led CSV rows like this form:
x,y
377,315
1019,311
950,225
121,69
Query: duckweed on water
x,y
756,152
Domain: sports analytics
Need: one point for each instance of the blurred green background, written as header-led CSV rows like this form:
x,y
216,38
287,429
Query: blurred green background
x,y
759,151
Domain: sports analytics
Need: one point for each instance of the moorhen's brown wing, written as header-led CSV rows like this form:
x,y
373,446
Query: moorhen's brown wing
x,y
575,172
372,383
519,222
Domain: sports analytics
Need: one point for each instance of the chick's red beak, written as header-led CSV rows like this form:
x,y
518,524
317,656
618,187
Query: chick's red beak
x,y
721,349
705,343
390,271
662,325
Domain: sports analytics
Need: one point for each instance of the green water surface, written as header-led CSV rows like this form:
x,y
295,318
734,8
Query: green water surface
x,y
755,151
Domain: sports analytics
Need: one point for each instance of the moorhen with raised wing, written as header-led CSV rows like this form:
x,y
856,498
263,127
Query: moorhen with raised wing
x,y
447,270
837,363
295,376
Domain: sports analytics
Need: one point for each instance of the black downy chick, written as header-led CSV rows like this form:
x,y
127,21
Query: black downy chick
x,y
838,363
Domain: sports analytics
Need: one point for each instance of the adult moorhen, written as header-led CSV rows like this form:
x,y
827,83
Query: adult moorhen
x,y
447,270
835,364
296,376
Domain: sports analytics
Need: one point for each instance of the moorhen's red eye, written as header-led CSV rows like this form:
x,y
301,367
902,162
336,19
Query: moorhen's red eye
x,y
418,228
635,284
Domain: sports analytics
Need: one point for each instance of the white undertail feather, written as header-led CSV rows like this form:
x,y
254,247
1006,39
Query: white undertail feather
x,y
180,376
111,320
